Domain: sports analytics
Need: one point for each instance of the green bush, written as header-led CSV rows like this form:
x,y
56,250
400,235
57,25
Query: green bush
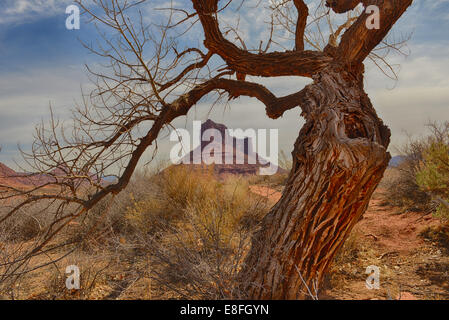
x,y
400,182
433,176
422,177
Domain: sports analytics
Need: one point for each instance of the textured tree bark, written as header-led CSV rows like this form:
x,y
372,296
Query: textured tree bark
x,y
338,160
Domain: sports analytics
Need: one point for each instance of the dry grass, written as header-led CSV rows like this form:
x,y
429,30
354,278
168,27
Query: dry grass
x,y
438,234
355,255
198,254
178,233
402,190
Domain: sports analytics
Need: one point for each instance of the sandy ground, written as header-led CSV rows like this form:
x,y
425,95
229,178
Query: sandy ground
x,y
268,192
411,267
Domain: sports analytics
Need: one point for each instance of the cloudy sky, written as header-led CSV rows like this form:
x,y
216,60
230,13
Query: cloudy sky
x,y
42,64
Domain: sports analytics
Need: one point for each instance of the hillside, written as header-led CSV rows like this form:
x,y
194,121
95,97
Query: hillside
x,y
22,180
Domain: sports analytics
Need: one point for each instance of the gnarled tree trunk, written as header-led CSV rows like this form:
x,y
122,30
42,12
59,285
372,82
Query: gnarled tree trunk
x,y
339,157
338,160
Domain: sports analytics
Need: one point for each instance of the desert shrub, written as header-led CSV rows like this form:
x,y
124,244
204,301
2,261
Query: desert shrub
x,y
107,222
198,250
172,191
27,223
404,189
92,276
438,234
193,227
276,181
433,176
26,228
279,179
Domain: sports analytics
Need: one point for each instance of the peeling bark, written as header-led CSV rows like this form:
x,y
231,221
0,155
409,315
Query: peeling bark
x,y
338,160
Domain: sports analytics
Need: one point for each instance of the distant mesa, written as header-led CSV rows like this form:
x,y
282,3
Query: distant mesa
x,y
396,161
231,148
233,151
11,178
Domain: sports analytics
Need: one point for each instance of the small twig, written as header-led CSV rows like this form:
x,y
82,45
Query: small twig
x,y
387,253
371,235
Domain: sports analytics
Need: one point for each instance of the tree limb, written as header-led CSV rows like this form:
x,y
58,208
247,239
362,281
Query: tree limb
x,y
289,63
358,41
342,6
303,13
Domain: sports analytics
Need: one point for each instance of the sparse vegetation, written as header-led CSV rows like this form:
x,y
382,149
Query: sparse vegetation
x,y
420,176
182,228
433,174
149,77
198,250
400,182
183,233
438,234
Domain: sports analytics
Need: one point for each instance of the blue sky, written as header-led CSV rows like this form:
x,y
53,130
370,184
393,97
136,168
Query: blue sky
x,y
41,63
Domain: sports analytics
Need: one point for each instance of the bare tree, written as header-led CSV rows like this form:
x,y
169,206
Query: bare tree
x,y
338,159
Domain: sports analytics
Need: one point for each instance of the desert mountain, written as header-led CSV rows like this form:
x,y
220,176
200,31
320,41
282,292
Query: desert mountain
x,y
237,155
9,177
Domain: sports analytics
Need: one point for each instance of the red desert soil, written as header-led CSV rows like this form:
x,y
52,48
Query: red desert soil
x,y
267,192
411,267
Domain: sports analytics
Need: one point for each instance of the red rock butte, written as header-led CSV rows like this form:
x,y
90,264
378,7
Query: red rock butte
x,y
231,148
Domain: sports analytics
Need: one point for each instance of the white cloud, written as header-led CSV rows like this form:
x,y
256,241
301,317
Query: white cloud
x,y
421,94
25,99
24,11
